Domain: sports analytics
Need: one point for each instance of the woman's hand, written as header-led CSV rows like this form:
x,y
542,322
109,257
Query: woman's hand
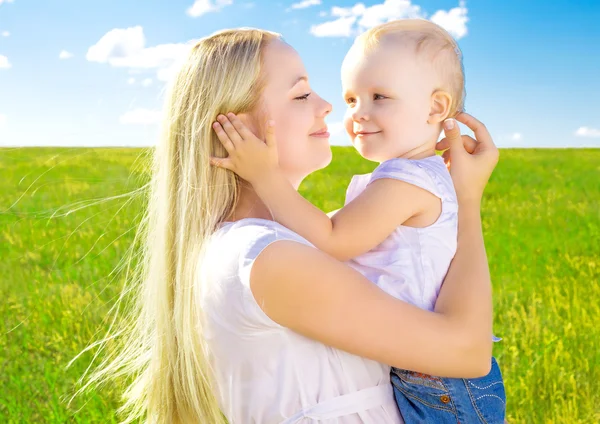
x,y
473,160
250,157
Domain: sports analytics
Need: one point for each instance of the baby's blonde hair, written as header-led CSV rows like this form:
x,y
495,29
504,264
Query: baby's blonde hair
x,y
160,350
431,41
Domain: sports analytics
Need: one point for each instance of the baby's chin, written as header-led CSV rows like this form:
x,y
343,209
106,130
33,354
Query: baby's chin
x,y
370,153
374,152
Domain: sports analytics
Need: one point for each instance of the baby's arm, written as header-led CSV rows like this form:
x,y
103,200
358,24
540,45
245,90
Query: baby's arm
x,y
358,227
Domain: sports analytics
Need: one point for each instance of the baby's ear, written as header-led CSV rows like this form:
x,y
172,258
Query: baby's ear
x,y
439,107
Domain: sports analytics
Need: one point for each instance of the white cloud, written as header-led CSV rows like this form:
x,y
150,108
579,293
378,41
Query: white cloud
x,y
387,11
516,137
202,7
166,73
126,48
147,82
117,45
356,10
454,21
511,140
140,117
131,81
305,3
5,33
336,128
6,1
341,27
338,134
4,63
65,55
587,132
351,21
322,13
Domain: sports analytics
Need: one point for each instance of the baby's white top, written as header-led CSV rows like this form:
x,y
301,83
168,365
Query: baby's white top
x,y
267,373
412,262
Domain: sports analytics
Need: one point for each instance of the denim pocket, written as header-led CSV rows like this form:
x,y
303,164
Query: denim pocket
x,y
426,389
488,395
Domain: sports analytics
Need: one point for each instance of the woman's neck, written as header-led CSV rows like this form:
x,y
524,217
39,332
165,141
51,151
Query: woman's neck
x,y
249,205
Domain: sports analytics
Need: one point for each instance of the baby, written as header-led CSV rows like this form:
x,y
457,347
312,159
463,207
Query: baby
x,y
401,81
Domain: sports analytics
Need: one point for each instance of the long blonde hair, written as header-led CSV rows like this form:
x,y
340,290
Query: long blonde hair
x,y
161,349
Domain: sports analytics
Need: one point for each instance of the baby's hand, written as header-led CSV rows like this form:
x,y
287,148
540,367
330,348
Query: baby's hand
x,y
250,157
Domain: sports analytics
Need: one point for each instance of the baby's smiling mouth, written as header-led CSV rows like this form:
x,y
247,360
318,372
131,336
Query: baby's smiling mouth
x,y
365,133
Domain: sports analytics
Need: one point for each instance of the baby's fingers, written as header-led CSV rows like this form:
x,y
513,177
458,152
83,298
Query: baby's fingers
x,y
270,134
239,126
222,163
224,138
232,133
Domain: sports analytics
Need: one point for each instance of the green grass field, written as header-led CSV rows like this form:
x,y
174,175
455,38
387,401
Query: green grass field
x,y
541,220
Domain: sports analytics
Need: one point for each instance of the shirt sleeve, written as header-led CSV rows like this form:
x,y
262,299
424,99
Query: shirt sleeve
x,y
409,171
258,239
357,185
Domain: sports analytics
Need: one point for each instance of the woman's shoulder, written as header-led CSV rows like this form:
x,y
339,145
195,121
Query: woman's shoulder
x,y
225,269
235,245
249,234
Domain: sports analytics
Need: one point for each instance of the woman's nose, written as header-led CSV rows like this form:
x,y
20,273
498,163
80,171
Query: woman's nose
x,y
325,107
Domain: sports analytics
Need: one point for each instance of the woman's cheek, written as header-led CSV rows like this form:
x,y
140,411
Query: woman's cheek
x,y
281,137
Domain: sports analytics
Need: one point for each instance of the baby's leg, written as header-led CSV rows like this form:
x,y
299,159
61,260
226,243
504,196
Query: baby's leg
x,y
425,398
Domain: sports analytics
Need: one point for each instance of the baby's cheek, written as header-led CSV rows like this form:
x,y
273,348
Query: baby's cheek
x,y
349,126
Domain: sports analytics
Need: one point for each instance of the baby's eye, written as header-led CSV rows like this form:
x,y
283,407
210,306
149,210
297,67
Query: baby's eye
x,y
350,100
378,97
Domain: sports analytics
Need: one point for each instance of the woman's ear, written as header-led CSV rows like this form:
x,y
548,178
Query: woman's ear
x,y
250,121
440,107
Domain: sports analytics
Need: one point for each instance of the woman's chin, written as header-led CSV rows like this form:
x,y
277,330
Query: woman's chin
x,y
322,154
326,158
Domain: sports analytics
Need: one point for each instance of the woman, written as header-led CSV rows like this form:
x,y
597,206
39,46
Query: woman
x,y
237,314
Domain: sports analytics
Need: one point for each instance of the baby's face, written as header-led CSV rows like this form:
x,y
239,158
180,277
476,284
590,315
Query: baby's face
x,y
388,97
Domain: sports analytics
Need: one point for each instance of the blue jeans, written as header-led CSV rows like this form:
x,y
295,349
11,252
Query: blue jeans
x,y
424,398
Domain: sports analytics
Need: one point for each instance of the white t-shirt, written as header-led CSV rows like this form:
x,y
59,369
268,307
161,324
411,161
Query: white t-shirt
x,y
411,263
267,373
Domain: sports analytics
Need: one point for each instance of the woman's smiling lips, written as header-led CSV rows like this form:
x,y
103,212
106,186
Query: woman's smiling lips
x,y
322,133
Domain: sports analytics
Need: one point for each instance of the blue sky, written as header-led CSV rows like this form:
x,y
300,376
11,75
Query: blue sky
x,y
81,73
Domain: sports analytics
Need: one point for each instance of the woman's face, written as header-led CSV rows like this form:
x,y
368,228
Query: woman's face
x,y
299,113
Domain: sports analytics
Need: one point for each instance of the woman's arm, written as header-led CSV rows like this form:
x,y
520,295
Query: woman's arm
x,y
315,295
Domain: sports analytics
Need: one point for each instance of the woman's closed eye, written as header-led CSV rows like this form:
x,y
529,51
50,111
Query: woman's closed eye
x,y
303,97
379,97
